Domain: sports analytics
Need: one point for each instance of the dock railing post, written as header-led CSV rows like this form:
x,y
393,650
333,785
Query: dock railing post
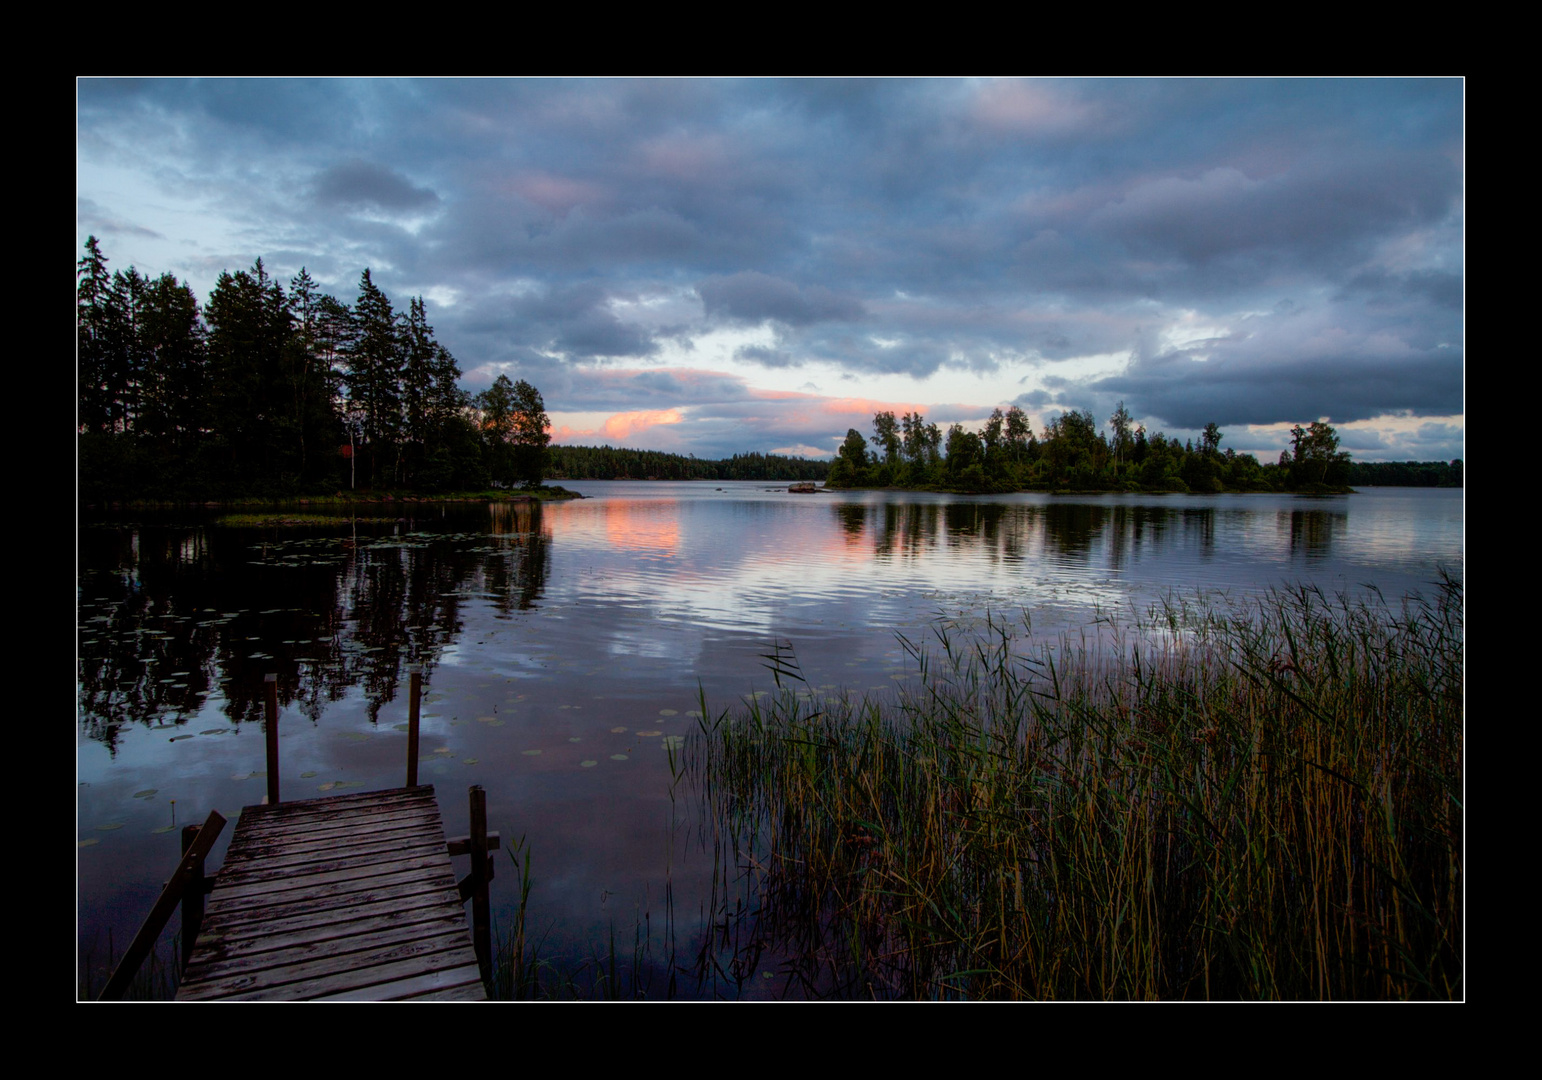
x,y
270,696
414,697
192,896
481,920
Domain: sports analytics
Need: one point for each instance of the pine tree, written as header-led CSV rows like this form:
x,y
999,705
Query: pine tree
x,y
374,365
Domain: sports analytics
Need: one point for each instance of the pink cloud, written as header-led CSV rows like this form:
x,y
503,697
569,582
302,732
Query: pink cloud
x,y
624,425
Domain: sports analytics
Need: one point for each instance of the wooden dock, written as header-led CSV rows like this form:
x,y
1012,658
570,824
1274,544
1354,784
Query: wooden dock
x,y
344,898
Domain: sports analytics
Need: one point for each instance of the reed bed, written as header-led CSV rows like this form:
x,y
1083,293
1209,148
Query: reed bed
x,y
1219,800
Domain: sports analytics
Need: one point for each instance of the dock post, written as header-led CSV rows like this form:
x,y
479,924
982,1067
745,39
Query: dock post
x,y
270,694
192,896
481,920
414,697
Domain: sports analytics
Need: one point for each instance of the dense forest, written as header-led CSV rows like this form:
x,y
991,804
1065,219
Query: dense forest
x,y
264,391
1074,454
608,463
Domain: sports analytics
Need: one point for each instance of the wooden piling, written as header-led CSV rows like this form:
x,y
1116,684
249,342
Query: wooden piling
x,y
270,695
155,922
481,917
414,697
192,895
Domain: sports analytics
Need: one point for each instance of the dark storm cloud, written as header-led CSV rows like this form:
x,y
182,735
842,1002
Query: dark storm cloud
x,y
1188,394
753,297
364,183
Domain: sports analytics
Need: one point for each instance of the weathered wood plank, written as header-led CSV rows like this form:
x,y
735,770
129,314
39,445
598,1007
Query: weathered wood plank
x,y
410,989
394,964
299,920
268,902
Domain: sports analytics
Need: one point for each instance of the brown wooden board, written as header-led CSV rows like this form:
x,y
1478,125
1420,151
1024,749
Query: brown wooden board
x,y
350,897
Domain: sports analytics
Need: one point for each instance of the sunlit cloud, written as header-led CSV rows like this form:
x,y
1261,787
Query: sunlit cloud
x,y
623,426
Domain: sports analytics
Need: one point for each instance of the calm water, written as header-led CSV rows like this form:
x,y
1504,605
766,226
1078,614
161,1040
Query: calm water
x,y
564,647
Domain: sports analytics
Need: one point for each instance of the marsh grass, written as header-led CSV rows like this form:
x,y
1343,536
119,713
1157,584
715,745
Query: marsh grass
x,y
1254,800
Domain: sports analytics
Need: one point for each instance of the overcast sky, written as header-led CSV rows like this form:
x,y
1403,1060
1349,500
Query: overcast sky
x,y
710,266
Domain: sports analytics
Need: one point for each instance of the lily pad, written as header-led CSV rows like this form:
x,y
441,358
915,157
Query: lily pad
x,y
668,712
618,731
618,757
530,753
469,761
146,793
162,829
308,774
88,841
588,763
110,826
175,738
672,742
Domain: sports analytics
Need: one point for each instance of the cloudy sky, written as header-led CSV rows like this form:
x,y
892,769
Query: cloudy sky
x,y
710,266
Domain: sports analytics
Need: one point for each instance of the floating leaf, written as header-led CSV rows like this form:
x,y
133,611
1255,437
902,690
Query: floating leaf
x,y
402,727
588,763
216,731
617,730
649,734
530,753
174,738
110,826
162,829
668,712
575,738
145,794
328,786
618,757
88,841
672,742
469,761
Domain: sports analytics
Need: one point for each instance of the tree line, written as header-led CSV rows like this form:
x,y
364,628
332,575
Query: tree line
x,y
611,463
1074,453
263,391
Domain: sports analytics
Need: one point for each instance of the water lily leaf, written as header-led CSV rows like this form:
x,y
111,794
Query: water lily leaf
x,y
588,763
668,712
88,841
163,829
648,734
530,753
402,727
145,794
672,742
174,738
617,730
618,757
575,738
308,774
469,761
110,826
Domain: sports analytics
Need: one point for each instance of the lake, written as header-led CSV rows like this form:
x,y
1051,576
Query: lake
x,y
566,648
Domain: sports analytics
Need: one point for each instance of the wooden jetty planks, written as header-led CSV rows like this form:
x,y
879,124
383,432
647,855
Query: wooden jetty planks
x,y
351,897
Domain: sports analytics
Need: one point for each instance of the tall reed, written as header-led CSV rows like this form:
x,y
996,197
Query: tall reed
x,y
1256,800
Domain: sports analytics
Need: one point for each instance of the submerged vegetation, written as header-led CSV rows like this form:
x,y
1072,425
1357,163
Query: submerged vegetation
x,y
1255,802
